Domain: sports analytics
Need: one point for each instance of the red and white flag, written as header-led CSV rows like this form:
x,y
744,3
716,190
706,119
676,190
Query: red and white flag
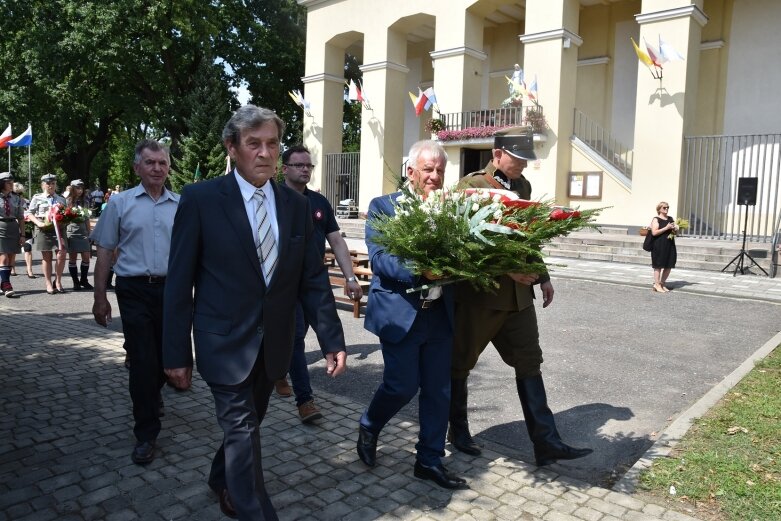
x,y
5,137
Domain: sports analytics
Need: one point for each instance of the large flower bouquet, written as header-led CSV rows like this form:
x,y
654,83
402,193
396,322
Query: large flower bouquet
x,y
474,235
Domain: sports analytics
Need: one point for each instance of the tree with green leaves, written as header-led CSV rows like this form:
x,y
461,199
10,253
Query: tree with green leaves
x,y
86,71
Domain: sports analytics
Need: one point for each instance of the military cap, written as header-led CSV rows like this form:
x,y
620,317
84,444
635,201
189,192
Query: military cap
x,y
77,182
516,141
48,177
6,176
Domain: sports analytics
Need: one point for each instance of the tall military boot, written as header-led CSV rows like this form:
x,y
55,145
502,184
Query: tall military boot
x,y
85,277
458,433
74,271
548,446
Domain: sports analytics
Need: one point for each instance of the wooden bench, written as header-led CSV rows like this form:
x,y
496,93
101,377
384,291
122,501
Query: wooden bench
x,y
362,274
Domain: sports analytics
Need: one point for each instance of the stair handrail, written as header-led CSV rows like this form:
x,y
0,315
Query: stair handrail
x,y
603,143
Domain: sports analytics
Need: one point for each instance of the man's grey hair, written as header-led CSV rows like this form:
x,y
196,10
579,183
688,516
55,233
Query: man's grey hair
x,y
149,144
426,145
250,117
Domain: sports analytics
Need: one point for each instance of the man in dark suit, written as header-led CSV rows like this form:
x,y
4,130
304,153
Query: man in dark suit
x,y
246,246
416,334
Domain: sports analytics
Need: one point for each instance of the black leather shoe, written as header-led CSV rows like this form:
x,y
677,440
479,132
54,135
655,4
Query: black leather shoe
x,y
462,440
439,475
367,446
143,453
545,455
226,505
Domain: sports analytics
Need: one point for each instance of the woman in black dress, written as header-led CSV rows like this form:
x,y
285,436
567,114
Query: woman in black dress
x,y
663,255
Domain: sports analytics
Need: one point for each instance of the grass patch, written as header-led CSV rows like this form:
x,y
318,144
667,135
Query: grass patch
x,y
730,461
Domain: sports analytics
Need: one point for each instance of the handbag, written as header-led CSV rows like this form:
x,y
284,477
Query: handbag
x,y
648,242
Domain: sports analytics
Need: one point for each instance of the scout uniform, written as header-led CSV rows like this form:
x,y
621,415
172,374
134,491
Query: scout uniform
x,y
78,241
40,204
11,230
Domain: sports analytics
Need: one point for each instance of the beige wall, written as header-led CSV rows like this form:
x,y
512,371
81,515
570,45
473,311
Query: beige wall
x,y
720,88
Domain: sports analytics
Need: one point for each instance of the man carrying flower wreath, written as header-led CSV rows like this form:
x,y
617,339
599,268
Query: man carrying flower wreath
x,y
415,331
505,318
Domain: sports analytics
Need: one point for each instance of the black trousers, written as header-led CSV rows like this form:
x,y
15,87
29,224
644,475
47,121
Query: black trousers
x,y
237,464
141,308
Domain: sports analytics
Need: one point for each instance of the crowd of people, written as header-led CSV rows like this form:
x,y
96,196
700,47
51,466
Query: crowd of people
x,y
243,317
55,243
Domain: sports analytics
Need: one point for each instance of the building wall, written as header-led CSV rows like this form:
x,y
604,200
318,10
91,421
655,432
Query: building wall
x,y
723,87
753,105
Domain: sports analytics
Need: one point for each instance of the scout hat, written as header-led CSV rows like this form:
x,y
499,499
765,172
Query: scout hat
x,y
6,176
77,182
48,177
516,141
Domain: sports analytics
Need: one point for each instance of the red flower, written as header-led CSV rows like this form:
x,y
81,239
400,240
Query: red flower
x,y
520,203
560,214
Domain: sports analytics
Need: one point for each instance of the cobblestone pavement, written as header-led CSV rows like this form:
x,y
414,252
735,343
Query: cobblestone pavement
x,y
66,437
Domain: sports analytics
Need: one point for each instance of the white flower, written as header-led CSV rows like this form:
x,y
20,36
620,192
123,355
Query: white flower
x,y
497,215
496,198
475,207
401,199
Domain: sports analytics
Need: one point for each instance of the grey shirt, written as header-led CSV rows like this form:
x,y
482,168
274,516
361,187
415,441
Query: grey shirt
x,y
41,203
140,228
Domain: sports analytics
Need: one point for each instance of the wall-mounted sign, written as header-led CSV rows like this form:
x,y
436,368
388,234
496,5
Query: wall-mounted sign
x,y
585,185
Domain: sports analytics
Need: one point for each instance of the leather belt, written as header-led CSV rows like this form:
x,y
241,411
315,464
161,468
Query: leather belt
x,y
148,279
428,303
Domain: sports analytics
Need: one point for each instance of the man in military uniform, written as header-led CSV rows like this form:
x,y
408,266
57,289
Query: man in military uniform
x,y
507,319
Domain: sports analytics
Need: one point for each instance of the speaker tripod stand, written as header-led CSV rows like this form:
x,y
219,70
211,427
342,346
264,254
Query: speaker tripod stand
x,y
740,258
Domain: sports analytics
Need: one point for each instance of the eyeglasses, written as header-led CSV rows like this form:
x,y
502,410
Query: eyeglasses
x,y
665,208
310,166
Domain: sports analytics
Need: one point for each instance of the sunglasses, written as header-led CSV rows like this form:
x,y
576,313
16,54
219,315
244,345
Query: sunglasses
x,y
665,208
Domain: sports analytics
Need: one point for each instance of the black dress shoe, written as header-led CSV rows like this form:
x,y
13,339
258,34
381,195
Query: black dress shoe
x,y
367,446
226,505
143,453
545,455
439,475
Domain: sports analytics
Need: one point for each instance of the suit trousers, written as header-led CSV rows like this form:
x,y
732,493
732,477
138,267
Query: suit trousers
x,y
237,464
421,360
141,309
299,370
513,333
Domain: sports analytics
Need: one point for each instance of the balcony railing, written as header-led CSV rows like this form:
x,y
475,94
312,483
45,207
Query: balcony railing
x,y
499,118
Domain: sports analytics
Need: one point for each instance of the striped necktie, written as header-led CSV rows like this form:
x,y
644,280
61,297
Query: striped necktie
x,y
267,246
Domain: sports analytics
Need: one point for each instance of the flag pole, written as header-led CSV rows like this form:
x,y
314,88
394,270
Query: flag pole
x,y
29,171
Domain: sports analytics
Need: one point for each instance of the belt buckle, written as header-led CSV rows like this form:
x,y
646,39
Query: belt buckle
x,y
426,304
154,279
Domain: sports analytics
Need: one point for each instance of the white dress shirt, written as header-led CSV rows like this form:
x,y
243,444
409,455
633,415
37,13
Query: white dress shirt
x,y
247,191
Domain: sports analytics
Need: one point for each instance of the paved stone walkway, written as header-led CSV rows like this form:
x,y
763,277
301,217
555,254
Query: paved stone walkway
x,y
65,441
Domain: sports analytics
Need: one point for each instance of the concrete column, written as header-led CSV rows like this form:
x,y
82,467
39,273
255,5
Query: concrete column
x,y
382,127
324,89
551,53
458,62
665,110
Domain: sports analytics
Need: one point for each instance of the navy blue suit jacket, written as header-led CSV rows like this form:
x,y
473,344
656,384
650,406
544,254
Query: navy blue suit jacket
x,y
231,310
390,310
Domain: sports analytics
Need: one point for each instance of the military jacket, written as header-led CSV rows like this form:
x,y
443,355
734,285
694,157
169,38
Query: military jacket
x,y
510,296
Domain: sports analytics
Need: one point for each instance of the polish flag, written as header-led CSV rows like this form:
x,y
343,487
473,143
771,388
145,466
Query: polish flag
x,y
5,137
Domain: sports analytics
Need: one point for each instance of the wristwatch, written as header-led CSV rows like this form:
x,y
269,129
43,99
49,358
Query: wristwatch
x,y
351,279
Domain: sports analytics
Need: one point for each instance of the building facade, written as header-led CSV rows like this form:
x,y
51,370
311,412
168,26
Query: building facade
x,y
616,133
